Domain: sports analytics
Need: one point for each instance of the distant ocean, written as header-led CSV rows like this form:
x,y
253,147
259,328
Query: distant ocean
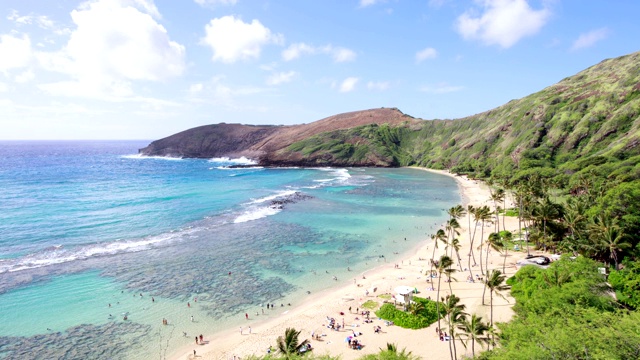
x,y
91,232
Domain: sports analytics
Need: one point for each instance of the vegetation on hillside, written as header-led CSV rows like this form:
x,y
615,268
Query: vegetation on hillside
x,y
564,312
566,162
577,140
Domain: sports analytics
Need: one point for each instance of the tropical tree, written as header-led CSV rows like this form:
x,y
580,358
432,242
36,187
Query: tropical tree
x,y
495,283
290,345
415,307
452,227
391,353
455,314
444,263
607,236
545,211
506,237
493,242
497,196
476,331
470,211
455,245
483,215
439,236
456,212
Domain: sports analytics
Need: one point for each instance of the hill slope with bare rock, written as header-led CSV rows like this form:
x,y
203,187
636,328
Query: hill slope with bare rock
x,y
268,144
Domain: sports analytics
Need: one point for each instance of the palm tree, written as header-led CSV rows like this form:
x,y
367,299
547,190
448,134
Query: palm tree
x,y
475,329
470,211
290,346
415,307
545,211
497,196
606,235
495,283
455,245
506,238
456,212
484,214
444,263
493,242
452,227
439,236
391,352
455,315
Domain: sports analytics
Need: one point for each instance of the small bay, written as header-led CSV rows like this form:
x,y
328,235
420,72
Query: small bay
x,y
91,229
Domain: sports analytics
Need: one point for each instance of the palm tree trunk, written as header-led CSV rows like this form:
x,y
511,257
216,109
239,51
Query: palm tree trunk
x,y
471,245
481,243
438,301
473,347
450,349
433,256
506,251
491,302
491,296
453,340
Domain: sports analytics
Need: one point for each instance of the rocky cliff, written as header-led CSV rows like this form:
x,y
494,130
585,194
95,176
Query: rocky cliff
x,y
268,144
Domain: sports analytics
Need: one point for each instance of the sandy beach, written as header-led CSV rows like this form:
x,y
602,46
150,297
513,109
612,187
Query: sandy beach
x,y
311,317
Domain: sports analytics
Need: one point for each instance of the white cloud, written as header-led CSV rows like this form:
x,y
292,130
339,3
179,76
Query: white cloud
x,y
196,88
232,39
215,2
25,77
348,84
588,39
441,88
294,51
380,85
503,22
339,54
4,87
15,52
365,3
113,44
342,54
43,21
281,77
428,53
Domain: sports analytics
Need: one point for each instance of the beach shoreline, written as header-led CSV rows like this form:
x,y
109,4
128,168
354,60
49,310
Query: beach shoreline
x,y
311,317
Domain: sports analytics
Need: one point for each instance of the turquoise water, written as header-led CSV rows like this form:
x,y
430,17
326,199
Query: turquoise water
x,y
92,232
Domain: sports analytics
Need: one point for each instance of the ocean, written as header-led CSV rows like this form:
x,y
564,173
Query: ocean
x,y
91,233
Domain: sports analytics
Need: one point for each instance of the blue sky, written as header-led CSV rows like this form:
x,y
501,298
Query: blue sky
x,y
145,69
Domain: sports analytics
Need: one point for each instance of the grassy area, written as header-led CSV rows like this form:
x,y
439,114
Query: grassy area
x,y
370,305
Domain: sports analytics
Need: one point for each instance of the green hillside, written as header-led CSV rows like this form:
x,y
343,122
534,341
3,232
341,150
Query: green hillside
x,y
569,158
578,139
595,113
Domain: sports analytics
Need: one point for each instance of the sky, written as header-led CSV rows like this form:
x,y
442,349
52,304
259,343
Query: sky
x,y
145,69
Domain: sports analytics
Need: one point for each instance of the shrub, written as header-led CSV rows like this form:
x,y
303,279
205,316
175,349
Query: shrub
x,y
423,319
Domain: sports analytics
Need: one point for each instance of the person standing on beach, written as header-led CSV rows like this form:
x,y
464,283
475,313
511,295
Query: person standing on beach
x,y
196,341
246,316
240,330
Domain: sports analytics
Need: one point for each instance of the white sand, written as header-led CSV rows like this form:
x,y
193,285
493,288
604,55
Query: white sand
x,y
311,316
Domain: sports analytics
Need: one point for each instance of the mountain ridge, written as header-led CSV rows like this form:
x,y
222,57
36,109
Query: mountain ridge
x,y
592,113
